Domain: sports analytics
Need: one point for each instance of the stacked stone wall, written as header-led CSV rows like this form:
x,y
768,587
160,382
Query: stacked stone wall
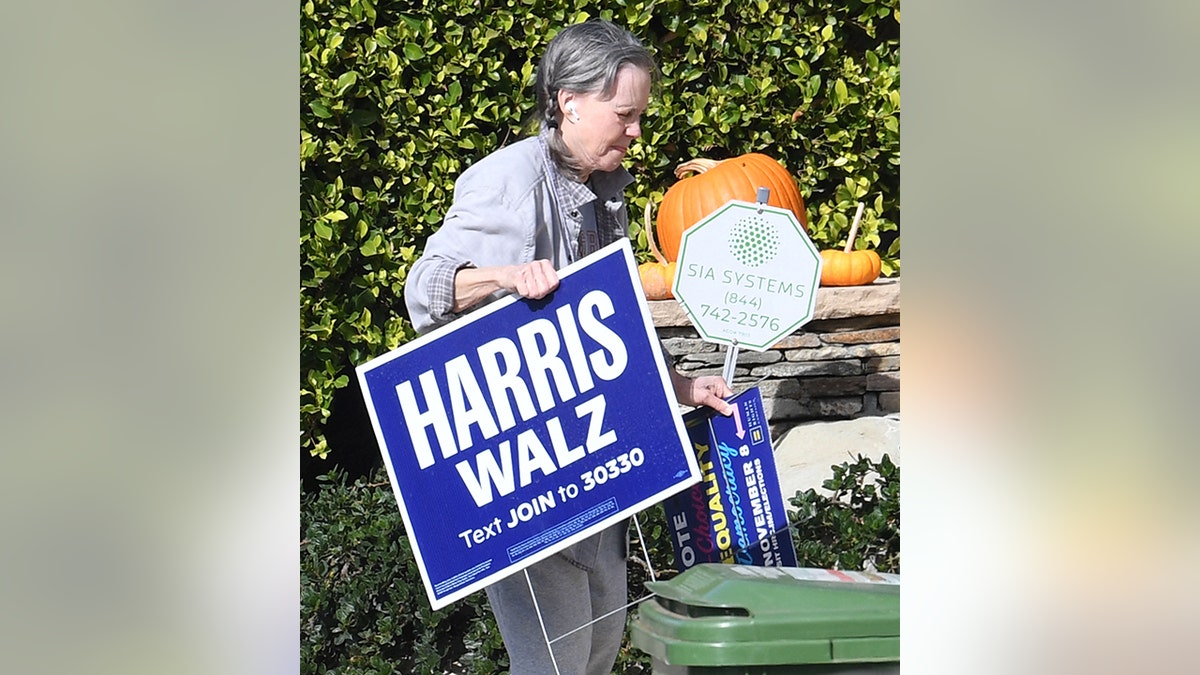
x,y
843,364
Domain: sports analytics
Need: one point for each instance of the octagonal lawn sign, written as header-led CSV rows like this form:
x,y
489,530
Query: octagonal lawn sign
x,y
747,275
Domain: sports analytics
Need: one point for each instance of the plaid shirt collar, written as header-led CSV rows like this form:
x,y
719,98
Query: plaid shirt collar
x,y
573,196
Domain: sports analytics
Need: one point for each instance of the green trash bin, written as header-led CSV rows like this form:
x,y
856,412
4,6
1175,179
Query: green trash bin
x,y
719,619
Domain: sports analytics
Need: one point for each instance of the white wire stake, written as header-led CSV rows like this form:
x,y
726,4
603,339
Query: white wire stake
x,y
653,577
645,552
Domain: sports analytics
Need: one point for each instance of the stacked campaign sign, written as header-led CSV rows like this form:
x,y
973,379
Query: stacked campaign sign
x,y
526,426
736,514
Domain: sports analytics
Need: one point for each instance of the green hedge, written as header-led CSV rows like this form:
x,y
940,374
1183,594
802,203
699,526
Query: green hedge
x,y
397,98
364,610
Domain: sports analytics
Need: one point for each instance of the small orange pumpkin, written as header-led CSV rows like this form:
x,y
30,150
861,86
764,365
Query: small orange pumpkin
x,y
694,197
658,280
658,277
848,267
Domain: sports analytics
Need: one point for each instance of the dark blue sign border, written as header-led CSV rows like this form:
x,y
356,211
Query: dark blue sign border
x,y
527,426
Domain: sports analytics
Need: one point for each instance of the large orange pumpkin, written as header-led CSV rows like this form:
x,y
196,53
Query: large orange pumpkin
x,y
847,267
714,182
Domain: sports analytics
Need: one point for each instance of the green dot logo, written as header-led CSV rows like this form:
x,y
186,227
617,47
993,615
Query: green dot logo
x,y
753,241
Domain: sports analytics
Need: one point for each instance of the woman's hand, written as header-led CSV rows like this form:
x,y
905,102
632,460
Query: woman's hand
x,y
532,280
707,390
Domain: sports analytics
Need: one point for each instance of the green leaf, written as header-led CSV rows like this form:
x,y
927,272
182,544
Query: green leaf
x,y
413,51
318,108
798,68
371,246
346,81
813,86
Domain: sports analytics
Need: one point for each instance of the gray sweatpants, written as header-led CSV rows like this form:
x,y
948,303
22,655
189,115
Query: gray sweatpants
x,y
573,587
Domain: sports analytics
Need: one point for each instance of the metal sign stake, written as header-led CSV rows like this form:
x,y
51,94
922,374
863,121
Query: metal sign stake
x,y
542,621
731,354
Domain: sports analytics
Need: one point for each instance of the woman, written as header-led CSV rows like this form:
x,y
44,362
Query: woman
x,y
518,216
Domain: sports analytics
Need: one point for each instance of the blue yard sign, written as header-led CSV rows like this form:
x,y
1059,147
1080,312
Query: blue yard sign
x,y
736,513
526,426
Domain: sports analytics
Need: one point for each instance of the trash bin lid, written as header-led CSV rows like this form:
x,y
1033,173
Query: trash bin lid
x,y
715,614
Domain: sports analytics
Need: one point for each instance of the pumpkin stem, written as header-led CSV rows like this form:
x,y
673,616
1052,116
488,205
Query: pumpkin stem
x,y
696,165
650,234
854,228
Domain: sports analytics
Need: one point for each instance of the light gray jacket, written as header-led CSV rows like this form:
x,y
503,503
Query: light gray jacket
x,y
504,213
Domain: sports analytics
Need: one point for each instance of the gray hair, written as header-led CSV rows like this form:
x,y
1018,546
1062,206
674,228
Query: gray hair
x,y
584,58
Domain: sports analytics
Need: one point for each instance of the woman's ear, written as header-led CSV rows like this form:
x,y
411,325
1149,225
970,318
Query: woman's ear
x,y
566,105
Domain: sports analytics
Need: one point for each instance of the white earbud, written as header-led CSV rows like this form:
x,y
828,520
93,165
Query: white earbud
x,y
571,109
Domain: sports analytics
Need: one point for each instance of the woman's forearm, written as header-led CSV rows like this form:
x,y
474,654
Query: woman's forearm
x,y
529,280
